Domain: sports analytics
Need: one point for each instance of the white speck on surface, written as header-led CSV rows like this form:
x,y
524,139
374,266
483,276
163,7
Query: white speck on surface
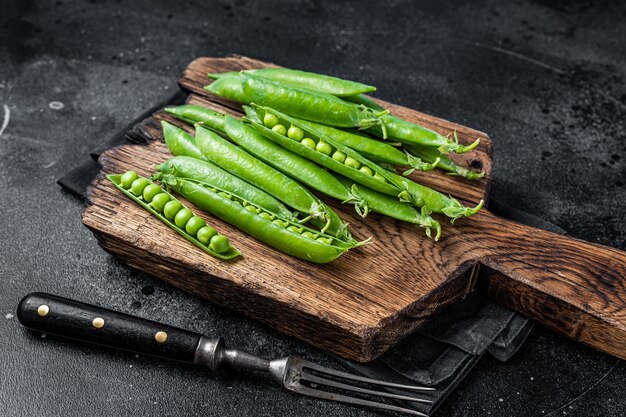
x,y
43,335
532,378
7,116
93,117
501,399
130,366
166,87
9,316
56,105
137,355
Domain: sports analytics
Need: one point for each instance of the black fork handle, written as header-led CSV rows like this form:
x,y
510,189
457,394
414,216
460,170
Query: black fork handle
x,y
88,323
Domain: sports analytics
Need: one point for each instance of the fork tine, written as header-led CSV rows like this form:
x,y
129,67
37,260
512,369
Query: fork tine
x,y
356,401
345,375
335,384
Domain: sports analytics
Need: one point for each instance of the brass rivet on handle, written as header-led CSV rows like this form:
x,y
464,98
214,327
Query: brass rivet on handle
x,y
160,337
43,310
98,322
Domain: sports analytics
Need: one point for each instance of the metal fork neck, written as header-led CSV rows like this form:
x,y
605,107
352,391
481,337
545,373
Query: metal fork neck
x,y
213,353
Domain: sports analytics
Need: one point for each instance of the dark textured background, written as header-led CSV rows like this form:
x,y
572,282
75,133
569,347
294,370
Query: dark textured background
x,y
545,80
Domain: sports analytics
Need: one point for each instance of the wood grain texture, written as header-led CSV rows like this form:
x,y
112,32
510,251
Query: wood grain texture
x,y
364,302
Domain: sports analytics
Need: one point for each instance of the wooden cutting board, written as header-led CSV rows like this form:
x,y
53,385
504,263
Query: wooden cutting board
x,y
361,304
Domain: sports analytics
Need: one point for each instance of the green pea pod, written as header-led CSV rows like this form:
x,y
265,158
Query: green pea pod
x,y
116,179
372,149
392,207
180,142
251,222
308,104
429,154
228,87
378,183
207,172
245,166
192,114
318,82
388,183
406,132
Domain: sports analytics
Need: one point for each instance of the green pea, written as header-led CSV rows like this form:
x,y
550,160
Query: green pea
x,y
339,156
225,195
266,216
308,142
352,163
219,244
295,133
251,208
150,191
281,223
159,201
325,240
366,170
308,234
205,234
280,129
138,185
379,177
171,208
270,120
324,148
295,229
128,178
182,217
194,224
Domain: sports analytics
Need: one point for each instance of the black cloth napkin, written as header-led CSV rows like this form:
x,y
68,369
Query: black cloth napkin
x,y
441,352
445,349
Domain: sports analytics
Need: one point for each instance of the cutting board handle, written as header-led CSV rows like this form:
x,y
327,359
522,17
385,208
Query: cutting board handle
x,y
575,287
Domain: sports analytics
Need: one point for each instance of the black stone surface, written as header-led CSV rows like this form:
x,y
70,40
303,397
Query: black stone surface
x,y
544,79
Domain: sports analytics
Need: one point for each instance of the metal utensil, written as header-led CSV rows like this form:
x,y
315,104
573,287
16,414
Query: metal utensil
x,y
64,317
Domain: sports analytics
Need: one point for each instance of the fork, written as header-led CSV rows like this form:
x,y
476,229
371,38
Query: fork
x,y
88,323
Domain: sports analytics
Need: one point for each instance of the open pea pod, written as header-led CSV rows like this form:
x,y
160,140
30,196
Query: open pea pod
x,y
223,250
283,234
323,150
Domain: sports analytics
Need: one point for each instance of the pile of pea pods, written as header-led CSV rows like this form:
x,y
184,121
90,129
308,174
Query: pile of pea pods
x,y
304,131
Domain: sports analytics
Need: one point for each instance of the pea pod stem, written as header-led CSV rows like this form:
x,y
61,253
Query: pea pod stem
x,y
430,154
392,207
